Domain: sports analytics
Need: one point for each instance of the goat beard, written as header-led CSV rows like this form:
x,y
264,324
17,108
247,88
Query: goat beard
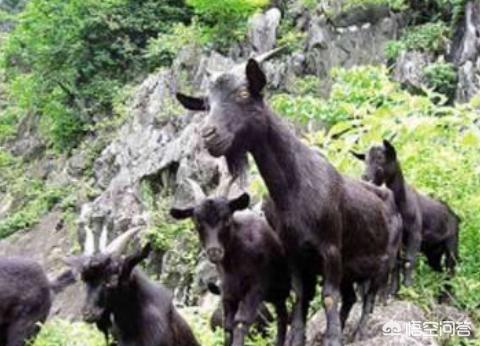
x,y
237,163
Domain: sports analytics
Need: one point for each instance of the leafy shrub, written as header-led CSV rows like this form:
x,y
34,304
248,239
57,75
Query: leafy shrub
x,y
438,146
393,4
429,37
225,24
352,90
66,60
163,49
58,332
442,77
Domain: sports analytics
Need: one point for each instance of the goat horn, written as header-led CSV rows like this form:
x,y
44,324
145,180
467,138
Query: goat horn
x,y
103,239
197,190
89,248
118,245
270,54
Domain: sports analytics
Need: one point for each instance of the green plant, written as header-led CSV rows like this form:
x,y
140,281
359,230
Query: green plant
x,y
66,60
59,332
397,5
227,23
162,49
438,146
429,37
442,77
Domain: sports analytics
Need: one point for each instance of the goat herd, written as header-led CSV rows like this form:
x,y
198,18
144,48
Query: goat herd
x,y
360,237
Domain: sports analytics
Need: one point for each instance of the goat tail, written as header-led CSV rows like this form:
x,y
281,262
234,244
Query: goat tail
x,y
62,281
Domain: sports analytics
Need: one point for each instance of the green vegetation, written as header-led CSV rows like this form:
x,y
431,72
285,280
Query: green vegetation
x,y
442,78
58,332
429,37
25,199
438,146
67,60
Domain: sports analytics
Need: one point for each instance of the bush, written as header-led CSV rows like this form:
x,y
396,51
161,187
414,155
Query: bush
x,y
438,147
225,24
429,37
442,78
65,60
63,333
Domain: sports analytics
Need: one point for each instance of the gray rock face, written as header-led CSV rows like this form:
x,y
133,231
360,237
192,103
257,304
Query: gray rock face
x,y
466,52
48,243
263,30
329,47
409,68
386,326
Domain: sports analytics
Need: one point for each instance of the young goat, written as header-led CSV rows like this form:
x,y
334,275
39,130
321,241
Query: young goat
x,y
328,226
25,298
249,258
120,298
428,225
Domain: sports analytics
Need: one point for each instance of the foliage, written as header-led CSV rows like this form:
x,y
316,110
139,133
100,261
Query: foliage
x,y
353,89
397,5
438,146
225,24
429,37
163,49
442,78
58,332
66,60
199,321
26,199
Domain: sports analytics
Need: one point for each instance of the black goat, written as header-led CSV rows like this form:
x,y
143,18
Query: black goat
x,y
263,319
26,296
249,258
327,225
120,298
429,225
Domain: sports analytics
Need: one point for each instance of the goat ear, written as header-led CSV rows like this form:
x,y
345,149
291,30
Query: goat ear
x,y
76,263
214,288
192,103
180,214
255,76
359,156
131,261
240,202
389,150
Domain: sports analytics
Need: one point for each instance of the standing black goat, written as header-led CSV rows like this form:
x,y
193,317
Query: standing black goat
x,y
121,299
249,258
429,225
328,225
26,296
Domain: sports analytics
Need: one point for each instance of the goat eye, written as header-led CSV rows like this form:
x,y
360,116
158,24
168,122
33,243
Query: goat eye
x,y
243,94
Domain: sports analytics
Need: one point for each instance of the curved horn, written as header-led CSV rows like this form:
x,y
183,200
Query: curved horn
x,y
270,54
118,245
197,190
102,244
89,248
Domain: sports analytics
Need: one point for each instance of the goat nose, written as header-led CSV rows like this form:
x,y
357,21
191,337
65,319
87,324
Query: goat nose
x,y
208,131
215,254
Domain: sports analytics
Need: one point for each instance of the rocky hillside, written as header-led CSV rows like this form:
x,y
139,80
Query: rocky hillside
x,y
92,137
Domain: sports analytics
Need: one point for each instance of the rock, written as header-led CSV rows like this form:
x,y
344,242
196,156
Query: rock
x,y
465,52
262,31
409,69
361,14
447,313
387,325
48,243
329,47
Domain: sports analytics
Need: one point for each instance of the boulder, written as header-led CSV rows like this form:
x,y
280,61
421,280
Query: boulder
x,y
387,325
262,31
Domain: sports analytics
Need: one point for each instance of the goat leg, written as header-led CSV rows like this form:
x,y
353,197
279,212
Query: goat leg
x,y
245,316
